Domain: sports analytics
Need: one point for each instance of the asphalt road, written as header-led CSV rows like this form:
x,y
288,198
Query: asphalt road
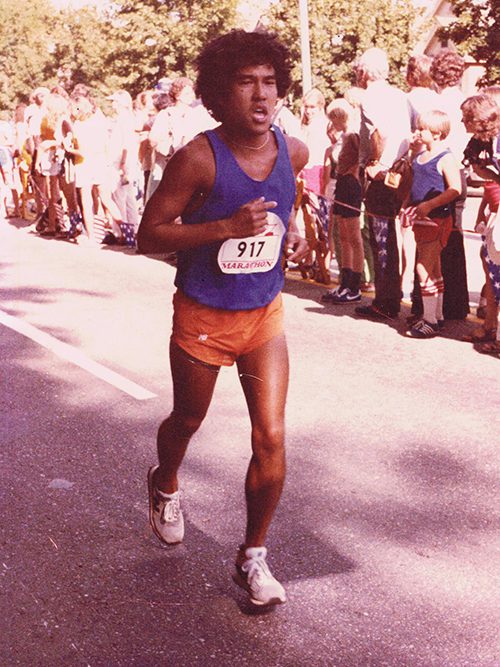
x,y
387,534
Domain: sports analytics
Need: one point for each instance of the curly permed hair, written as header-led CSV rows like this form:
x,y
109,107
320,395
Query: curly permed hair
x,y
219,61
447,68
482,115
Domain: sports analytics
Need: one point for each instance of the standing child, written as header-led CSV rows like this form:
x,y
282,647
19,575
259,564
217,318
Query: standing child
x,y
338,115
436,184
347,208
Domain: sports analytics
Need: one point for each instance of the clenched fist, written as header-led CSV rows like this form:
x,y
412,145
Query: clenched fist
x,y
250,219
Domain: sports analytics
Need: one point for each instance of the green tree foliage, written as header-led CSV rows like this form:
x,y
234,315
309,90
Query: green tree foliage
x,y
157,38
26,42
40,45
340,31
133,43
81,45
476,32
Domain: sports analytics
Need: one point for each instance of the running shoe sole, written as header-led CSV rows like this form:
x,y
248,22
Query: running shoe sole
x,y
241,582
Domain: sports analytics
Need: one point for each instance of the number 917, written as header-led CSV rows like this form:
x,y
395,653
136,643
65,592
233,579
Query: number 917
x,y
254,248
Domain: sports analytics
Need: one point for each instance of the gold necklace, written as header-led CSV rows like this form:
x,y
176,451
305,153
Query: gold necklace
x,y
250,148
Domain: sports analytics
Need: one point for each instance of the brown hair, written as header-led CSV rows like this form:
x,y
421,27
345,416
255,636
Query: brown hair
x,y
59,90
482,114
418,72
447,68
19,112
143,98
339,110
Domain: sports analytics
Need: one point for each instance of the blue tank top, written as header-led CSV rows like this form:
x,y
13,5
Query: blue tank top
x,y
199,273
428,183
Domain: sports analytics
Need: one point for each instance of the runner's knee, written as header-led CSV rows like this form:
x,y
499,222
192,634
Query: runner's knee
x,y
268,441
184,424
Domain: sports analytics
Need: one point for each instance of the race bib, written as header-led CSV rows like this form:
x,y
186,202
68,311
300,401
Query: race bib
x,y
254,254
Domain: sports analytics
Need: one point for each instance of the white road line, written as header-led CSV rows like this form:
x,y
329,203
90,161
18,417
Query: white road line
x,y
75,356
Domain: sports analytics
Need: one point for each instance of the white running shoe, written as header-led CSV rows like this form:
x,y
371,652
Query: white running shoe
x,y
165,514
256,578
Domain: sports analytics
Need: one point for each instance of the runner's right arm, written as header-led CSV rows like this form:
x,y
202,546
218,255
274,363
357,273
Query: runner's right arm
x,y
187,180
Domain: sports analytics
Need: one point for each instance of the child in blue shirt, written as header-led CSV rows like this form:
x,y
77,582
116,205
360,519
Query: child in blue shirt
x,y
436,184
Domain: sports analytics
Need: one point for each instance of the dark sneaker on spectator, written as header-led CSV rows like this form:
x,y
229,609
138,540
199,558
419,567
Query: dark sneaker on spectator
x,y
109,239
331,294
255,577
423,329
346,296
413,319
165,514
481,312
374,313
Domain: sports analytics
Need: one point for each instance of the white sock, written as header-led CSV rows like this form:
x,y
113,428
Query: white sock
x,y
439,306
430,307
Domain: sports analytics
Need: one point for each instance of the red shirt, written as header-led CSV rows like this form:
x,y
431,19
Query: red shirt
x,y
492,194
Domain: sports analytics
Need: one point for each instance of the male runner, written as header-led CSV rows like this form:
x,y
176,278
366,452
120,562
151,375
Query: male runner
x,y
234,188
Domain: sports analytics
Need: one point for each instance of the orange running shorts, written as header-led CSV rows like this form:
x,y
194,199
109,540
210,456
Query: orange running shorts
x,y
218,337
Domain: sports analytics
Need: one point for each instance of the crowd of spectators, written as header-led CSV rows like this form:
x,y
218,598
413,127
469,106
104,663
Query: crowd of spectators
x,y
85,173
381,198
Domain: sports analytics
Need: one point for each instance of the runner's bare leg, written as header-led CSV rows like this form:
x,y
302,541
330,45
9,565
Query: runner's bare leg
x,y
193,384
264,378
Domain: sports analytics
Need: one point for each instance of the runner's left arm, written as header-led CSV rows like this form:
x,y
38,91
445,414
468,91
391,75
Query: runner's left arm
x,y
296,246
